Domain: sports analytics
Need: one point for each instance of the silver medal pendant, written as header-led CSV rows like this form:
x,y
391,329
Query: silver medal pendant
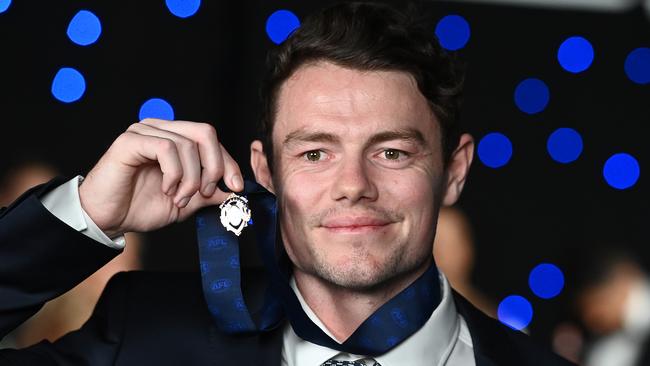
x,y
235,213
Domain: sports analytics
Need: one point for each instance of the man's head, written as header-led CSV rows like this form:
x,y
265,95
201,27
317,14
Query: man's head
x,y
369,37
361,144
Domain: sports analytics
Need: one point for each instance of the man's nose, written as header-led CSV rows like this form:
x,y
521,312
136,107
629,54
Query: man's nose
x,y
354,182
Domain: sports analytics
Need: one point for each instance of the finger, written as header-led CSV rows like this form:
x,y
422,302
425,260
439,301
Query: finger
x,y
231,173
139,149
189,157
210,150
233,180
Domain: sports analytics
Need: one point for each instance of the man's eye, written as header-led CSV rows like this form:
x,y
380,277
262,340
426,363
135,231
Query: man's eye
x,y
314,155
392,154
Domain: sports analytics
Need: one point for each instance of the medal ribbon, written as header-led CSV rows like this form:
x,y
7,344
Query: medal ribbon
x,y
387,327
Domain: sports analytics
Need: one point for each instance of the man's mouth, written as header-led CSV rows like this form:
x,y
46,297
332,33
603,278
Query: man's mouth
x,y
354,224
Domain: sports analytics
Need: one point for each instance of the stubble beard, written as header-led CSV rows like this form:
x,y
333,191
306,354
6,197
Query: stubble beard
x,y
361,274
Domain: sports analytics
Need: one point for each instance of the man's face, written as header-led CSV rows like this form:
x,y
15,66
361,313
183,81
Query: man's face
x,y
358,174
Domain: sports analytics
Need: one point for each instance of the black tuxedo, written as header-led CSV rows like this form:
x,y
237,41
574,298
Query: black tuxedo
x,y
157,318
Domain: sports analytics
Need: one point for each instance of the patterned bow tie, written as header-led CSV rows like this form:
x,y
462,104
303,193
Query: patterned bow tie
x,y
347,363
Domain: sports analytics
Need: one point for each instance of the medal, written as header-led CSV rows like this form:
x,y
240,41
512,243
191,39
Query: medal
x,y
235,213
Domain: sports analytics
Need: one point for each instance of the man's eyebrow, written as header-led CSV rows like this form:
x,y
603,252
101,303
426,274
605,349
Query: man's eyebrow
x,y
306,136
408,134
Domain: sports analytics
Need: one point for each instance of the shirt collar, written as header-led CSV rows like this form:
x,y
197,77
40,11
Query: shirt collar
x,y
431,345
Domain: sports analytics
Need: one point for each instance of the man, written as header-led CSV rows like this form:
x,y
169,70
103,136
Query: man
x,y
361,147
612,296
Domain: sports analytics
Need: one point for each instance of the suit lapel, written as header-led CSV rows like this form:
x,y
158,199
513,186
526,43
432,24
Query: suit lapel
x,y
270,348
39,190
491,343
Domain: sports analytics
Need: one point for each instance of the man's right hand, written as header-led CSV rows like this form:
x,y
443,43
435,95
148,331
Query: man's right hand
x,y
155,173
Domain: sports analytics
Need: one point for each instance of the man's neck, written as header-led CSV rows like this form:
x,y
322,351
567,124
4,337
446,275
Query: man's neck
x,y
342,310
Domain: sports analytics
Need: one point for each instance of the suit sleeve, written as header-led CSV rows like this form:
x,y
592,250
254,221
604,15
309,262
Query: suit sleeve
x,y
96,343
40,257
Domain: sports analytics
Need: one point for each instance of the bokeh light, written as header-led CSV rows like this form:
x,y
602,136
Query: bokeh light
x,y
621,171
575,54
84,28
515,311
637,65
495,150
546,280
453,32
280,24
183,8
68,85
4,5
564,145
532,96
156,108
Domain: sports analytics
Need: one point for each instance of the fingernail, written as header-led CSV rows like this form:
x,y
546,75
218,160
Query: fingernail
x,y
209,189
237,181
183,202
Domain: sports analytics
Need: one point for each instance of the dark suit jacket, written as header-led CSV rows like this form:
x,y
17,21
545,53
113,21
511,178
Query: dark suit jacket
x,y
157,318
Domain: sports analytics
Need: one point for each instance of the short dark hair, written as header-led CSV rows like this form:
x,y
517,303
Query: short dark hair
x,y
369,36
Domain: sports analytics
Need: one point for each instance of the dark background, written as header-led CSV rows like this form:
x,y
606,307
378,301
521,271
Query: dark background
x,y
209,66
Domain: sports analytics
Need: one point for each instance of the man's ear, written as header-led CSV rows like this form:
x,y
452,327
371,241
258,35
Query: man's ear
x,y
260,166
458,168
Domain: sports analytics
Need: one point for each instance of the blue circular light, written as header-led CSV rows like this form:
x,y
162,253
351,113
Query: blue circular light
x,y
68,85
453,32
532,96
621,171
564,145
495,150
280,24
637,65
575,54
84,28
546,280
156,108
183,8
4,5
515,311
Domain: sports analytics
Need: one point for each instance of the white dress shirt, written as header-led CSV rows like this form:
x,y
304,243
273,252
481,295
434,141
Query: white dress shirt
x,y
443,340
64,203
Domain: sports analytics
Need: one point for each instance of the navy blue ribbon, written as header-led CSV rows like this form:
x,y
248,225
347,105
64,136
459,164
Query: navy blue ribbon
x,y
219,257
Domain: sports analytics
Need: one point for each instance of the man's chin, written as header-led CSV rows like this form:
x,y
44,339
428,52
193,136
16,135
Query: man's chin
x,y
357,284
367,273
359,277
